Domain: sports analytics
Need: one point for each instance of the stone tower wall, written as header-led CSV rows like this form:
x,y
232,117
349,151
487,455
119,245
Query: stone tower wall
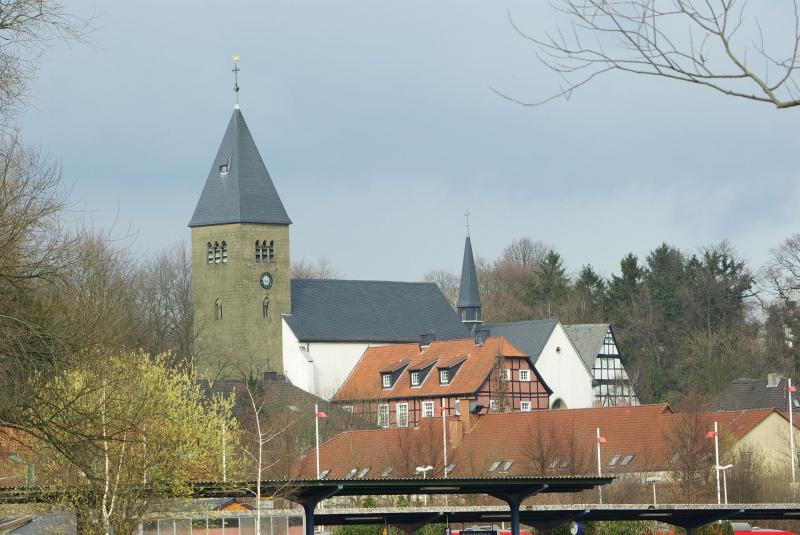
x,y
243,341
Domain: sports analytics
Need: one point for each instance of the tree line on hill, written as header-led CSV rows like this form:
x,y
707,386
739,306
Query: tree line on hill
x,y
685,322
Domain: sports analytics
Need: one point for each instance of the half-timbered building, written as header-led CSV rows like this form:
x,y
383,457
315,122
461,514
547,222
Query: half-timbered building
x,y
595,342
401,385
546,343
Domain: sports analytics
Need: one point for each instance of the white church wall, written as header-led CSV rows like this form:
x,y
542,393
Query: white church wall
x,y
319,367
564,371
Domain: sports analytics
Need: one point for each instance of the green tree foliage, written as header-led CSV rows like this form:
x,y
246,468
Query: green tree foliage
x,y
552,283
591,290
684,321
125,431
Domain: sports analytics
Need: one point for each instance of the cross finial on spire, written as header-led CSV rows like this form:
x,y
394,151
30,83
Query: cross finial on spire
x,y
236,78
467,214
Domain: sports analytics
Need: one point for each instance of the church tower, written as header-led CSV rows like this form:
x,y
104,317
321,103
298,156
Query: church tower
x,y
240,262
469,298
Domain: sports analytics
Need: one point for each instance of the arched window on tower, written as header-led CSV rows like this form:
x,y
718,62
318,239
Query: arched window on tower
x,y
224,252
258,251
271,254
265,308
210,253
264,251
217,253
218,309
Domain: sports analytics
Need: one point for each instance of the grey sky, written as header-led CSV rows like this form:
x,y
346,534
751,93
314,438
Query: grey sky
x,y
377,124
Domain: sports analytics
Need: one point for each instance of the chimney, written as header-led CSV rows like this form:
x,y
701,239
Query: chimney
x,y
427,339
773,379
480,336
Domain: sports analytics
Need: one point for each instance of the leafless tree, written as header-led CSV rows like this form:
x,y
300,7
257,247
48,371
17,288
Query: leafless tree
x,y
447,281
692,456
719,45
26,27
262,433
321,268
165,314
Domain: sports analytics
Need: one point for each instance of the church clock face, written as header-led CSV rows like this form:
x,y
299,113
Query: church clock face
x,y
266,280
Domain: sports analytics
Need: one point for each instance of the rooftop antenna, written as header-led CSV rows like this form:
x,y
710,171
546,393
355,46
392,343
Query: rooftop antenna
x,y
467,214
236,78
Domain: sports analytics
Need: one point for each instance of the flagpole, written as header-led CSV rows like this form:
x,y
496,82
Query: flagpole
x,y
716,455
599,468
316,429
792,458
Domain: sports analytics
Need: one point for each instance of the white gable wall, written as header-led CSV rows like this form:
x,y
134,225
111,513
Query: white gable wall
x,y
564,371
319,367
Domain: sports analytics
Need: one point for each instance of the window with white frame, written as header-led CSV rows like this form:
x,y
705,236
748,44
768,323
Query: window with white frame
x,y
493,405
427,409
387,380
414,378
383,415
525,375
444,377
505,374
402,415
458,407
525,406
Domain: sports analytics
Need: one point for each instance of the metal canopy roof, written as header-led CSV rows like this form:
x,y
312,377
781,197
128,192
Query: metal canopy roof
x,y
313,490
687,516
303,491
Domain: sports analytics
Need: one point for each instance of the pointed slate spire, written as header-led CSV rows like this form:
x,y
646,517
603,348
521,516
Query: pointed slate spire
x,y
238,188
469,298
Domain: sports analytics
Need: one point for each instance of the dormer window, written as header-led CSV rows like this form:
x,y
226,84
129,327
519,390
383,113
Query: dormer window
x,y
387,380
225,167
414,378
444,377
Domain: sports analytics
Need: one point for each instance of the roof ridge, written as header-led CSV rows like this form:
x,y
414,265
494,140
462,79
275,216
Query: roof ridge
x,y
553,320
370,281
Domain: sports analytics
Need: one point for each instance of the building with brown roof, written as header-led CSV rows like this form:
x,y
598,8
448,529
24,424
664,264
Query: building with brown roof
x,y
403,384
638,439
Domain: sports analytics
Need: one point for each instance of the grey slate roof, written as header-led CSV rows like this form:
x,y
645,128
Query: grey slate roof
x,y
245,194
370,311
744,394
530,337
468,294
588,339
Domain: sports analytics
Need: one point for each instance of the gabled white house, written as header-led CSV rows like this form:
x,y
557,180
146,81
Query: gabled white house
x,y
598,348
555,358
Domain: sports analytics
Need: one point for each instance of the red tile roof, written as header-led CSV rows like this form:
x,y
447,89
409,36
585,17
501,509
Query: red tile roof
x,y
544,442
402,450
365,380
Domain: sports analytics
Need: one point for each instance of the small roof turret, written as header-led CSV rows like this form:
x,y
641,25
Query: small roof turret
x,y
468,294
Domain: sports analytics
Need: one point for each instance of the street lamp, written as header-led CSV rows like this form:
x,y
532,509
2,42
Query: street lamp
x,y
724,469
653,479
424,471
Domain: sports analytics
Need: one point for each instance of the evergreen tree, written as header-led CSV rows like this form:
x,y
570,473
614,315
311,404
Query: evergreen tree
x,y
665,278
623,288
552,283
591,289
